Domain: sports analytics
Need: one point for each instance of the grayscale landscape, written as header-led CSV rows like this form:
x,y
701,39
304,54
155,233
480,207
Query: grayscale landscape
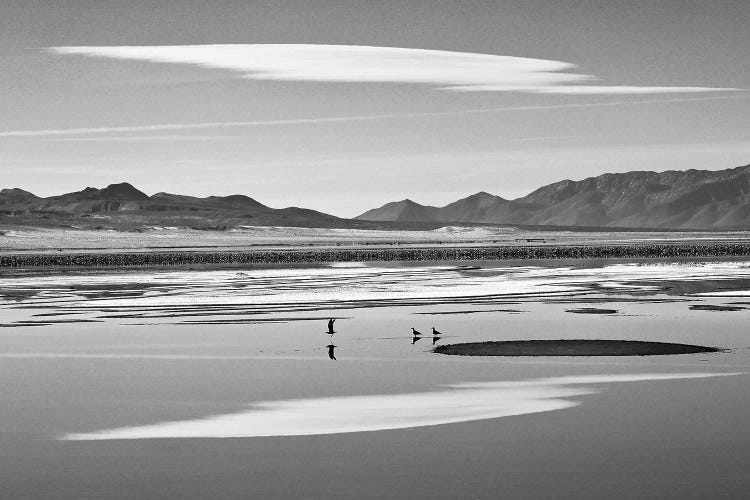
x,y
208,288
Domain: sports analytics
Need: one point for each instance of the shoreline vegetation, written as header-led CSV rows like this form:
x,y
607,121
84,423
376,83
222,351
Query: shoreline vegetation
x,y
363,254
572,347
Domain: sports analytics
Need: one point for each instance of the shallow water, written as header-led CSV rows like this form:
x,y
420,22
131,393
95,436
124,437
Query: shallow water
x,y
119,384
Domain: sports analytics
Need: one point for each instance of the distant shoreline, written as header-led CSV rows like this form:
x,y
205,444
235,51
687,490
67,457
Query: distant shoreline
x,y
363,254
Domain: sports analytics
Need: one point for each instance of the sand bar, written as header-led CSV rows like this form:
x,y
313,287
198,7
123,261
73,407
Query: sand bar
x,y
573,347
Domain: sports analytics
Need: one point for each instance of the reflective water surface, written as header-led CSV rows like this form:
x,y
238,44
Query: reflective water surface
x,y
120,384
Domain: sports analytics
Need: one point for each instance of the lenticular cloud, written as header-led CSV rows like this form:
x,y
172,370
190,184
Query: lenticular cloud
x,y
458,71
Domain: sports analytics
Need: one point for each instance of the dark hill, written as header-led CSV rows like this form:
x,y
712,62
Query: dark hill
x,y
167,201
122,191
16,195
474,207
16,201
404,210
115,197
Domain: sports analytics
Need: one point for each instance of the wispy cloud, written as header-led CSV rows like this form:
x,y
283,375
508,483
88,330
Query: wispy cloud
x,y
458,71
343,119
594,89
544,138
149,138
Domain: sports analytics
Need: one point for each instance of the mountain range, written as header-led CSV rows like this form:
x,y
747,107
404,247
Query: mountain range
x,y
691,199
122,206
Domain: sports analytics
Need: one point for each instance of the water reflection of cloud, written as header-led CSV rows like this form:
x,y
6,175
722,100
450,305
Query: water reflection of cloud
x,y
457,403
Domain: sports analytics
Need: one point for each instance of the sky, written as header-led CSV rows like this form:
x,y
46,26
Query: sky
x,y
342,106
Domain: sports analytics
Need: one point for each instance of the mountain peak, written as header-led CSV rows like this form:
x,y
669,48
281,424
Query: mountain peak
x,y
411,202
122,191
236,201
484,196
404,210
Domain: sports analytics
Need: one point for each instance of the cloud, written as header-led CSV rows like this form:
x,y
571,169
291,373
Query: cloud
x,y
595,89
342,119
149,138
456,71
457,403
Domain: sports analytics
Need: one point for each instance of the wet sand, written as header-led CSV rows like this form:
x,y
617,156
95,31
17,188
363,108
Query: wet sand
x,y
15,237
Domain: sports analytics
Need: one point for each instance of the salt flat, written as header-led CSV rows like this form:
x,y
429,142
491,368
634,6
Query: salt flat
x,y
26,238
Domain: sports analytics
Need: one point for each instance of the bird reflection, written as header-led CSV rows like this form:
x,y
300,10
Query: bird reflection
x,y
330,326
417,336
435,335
331,353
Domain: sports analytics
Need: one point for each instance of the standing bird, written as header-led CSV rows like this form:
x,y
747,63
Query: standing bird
x,y
330,326
435,333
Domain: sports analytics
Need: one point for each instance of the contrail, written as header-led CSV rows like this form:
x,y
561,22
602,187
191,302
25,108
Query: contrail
x,y
342,119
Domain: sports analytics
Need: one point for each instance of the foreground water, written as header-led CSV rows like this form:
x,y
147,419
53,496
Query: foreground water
x,y
224,383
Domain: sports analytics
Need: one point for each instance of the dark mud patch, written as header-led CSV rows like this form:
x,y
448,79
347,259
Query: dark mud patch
x,y
65,321
249,321
591,310
610,300
57,314
21,324
511,311
712,307
48,322
576,347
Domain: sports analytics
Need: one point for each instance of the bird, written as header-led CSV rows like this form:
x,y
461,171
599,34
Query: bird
x,y
331,354
435,332
330,326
